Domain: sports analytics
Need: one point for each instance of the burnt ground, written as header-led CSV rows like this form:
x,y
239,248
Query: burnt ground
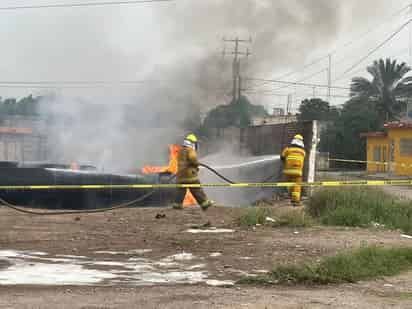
x,y
245,251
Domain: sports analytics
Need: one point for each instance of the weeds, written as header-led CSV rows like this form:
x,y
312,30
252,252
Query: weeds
x,y
259,215
361,207
254,216
295,218
361,264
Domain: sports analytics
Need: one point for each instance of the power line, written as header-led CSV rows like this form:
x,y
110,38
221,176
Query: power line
x,y
73,5
345,59
296,83
303,79
298,71
371,29
388,39
345,45
81,82
299,94
398,53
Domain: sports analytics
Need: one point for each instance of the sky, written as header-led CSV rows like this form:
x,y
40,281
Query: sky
x,y
176,47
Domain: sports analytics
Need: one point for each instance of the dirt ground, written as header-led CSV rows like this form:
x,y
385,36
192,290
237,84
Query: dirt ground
x,y
109,241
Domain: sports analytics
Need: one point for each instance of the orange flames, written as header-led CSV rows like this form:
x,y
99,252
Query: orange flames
x,y
172,169
74,166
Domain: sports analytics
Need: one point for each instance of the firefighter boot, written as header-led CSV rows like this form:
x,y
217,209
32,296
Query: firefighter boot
x,y
207,204
177,206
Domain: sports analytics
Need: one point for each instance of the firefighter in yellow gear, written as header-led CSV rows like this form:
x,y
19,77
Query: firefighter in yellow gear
x,y
293,158
188,173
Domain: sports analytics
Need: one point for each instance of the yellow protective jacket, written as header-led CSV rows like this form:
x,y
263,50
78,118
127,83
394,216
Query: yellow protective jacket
x,y
293,159
187,166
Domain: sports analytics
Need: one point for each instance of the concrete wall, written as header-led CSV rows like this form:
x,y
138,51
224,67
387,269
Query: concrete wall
x,y
271,139
22,138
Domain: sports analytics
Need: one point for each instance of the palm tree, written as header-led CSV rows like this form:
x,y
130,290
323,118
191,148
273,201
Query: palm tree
x,y
389,89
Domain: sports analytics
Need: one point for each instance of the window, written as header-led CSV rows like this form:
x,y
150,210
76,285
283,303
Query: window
x,y
392,151
384,154
377,153
406,147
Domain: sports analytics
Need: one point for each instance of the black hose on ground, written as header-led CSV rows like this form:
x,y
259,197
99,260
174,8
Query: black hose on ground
x,y
102,210
80,212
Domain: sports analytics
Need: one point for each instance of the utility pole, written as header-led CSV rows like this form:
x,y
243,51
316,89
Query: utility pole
x,y
237,79
329,76
289,105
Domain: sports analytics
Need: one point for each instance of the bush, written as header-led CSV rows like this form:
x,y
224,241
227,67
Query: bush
x,y
360,207
362,264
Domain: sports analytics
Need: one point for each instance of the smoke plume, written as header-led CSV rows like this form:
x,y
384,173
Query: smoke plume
x,y
176,48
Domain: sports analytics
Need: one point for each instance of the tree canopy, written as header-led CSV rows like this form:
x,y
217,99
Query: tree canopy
x,y
316,109
388,89
236,114
342,136
27,106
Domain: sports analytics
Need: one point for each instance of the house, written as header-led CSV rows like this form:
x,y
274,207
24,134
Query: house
x,y
390,151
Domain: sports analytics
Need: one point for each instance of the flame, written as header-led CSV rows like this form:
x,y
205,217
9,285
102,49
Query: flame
x,y
74,166
172,169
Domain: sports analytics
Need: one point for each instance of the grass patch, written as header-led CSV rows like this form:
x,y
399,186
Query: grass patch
x,y
361,264
405,296
360,206
255,215
294,218
258,215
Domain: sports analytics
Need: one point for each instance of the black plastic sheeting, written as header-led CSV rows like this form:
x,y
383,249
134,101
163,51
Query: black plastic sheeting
x,y
79,199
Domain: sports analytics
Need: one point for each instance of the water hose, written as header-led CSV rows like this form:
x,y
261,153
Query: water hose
x,y
102,210
216,173
79,212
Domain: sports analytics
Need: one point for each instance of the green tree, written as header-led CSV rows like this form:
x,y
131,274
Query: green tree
x,y
25,106
387,89
236,114
316,109
342,136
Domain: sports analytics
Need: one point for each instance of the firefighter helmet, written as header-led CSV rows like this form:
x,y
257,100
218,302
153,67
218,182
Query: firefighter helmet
x,y
299,137
191,141
192,138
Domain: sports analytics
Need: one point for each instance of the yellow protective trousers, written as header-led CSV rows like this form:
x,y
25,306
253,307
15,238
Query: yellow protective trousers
x,y
296,190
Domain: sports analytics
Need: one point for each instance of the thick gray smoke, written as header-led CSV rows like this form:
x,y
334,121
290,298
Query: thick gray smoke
x,y
175,46
119,138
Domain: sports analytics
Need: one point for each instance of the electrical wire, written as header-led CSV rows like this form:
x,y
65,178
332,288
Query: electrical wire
x,y
371,52
73,5
297,83
274,94
79,82
399,53
345,45
301,80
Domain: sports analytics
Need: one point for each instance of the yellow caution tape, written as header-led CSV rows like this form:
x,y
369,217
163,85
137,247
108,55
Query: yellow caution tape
x,y
394,182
